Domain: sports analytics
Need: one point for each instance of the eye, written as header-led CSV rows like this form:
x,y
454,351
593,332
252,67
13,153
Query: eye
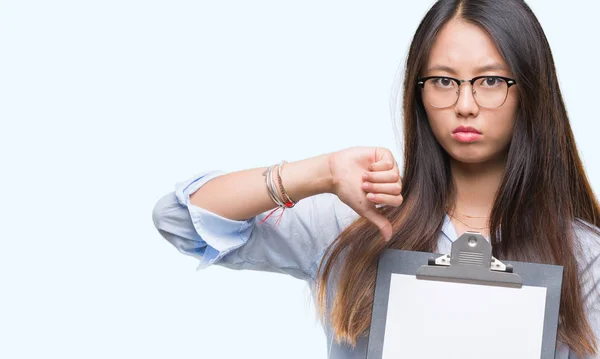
x,y
443,82
491,81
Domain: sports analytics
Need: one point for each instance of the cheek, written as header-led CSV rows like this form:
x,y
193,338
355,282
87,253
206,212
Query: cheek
x,y
500,135
504,120
441,122
435,118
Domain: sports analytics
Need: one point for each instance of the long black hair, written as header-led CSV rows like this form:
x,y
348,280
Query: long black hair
x,y
543,189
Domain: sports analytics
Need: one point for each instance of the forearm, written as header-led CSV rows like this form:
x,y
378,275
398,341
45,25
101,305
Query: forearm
x,y
243,194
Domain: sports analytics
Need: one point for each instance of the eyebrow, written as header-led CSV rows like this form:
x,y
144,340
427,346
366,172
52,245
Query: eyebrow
x,y
490,67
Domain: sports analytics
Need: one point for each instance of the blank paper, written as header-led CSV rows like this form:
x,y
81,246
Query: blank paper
x,y
435,319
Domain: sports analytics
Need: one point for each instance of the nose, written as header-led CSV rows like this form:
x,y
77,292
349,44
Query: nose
x,y
466,105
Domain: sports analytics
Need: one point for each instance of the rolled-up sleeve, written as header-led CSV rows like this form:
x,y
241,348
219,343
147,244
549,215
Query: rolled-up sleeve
x,y
193,230
292,246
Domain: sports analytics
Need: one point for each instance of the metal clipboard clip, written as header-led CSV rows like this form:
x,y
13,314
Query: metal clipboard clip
x,y
470,261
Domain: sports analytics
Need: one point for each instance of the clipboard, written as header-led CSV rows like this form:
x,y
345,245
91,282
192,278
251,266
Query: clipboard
x,y
429,305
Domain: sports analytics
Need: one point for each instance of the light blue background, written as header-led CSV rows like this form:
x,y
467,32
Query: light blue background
x,y
105,105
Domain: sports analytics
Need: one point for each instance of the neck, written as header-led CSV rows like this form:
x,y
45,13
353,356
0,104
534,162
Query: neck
x,y
476,186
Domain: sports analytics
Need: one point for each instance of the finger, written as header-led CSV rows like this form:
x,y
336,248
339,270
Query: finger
x,y
382,223
387,188
388,199
383,154
383,165
382,177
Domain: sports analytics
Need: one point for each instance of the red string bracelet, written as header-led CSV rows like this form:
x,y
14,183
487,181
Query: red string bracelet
x,y
280,197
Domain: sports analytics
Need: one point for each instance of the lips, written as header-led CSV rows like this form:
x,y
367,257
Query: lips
x,y
466,134
467,129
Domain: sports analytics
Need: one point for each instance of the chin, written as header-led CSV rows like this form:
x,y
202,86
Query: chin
x,y
475,157
470,156
469,160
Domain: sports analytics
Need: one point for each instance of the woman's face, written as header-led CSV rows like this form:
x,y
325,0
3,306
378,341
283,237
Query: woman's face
x,y
464,51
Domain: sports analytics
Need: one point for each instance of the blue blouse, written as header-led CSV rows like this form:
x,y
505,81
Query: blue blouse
x,y
297,244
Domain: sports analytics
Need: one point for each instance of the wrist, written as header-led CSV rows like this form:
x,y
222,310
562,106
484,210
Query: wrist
x,y
307,177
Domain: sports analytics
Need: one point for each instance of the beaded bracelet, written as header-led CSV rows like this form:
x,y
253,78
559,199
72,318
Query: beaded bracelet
x,y
271,188
287,200
280,198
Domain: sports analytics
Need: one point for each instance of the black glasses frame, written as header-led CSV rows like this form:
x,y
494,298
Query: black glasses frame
x,y
509,82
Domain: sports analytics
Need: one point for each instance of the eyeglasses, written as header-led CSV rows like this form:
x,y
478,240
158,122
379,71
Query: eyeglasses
x,y
443,91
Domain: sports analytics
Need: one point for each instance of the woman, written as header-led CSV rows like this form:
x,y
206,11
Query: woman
x,y
487,147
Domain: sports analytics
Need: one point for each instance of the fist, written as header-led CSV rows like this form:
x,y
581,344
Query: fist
x,y
364,178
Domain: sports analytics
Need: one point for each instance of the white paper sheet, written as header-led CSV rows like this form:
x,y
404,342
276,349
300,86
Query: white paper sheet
x,y
434,319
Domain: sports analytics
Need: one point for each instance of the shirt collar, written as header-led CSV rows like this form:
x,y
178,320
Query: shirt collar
x,y
448,229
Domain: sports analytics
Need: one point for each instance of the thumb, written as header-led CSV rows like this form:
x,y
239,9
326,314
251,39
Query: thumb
x,y
384,154
385,227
